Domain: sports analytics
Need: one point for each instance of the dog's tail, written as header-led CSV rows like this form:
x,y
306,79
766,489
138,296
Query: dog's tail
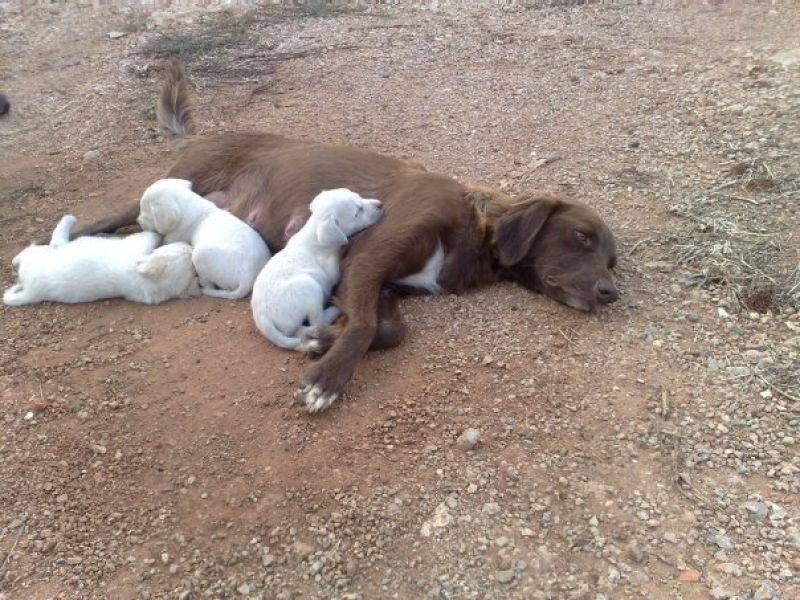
x,y
174,111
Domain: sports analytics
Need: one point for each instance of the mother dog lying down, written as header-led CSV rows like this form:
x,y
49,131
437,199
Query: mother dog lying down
x,y
436,233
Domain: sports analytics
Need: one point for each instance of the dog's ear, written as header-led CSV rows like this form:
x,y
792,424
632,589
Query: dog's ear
x,y
516,229
166,215
152,267
329,234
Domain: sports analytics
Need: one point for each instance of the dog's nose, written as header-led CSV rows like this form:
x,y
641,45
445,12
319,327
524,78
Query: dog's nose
x,y
606,291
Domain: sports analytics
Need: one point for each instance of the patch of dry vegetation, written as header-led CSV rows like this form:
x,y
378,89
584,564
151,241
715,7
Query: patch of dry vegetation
x,y
744,237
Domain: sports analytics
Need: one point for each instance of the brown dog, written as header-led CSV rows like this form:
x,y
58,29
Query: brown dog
x,y
436,234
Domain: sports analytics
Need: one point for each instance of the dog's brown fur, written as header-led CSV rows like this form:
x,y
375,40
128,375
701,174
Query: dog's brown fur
x,y
270,180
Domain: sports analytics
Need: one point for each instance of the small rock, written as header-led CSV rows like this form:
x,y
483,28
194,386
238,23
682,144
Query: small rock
x,y
302,549
721,593
767,591
505,576
469,439
28,415
91,155
729,569
721,541
74,560
501,541
115,35
491,508
243,589
315,567
613,575
637,553
757,510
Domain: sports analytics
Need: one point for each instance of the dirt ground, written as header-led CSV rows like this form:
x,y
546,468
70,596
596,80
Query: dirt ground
x,y
648,450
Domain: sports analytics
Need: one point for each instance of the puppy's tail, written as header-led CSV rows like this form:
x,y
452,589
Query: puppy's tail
x,y
239,292
62,231
277,337
174,111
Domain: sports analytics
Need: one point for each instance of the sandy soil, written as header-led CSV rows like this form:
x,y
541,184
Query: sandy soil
x,y
647,450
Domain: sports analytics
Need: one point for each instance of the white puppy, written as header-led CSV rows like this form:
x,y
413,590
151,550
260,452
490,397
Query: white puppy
x,y
227,253
296,283
93,268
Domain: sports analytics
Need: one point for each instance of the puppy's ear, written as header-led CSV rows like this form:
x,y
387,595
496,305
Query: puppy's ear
x,y
329,234
152,267
516,229
166,216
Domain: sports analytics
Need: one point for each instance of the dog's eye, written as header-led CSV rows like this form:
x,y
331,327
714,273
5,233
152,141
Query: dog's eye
x,y
583,238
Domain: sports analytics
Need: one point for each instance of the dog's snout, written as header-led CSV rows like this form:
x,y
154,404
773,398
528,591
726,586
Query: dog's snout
x,y
606,291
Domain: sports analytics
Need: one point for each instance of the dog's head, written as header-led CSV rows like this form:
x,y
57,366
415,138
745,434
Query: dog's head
x,y
340,213
161,205
559,248
171,266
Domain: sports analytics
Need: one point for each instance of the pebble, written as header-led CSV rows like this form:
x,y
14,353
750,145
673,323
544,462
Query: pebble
x,y
243,589
721,593
469,439
757,510
91,155
613,575
721,541
115,35
491,508
637,553
506,576
767,591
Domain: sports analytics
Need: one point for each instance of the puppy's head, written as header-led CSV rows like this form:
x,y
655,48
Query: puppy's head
x,y
171,265
560,248
351,212
160,207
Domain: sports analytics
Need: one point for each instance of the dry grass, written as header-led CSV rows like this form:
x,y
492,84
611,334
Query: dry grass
x,y
743,239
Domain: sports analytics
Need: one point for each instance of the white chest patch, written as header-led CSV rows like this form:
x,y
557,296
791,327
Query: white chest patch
x,y
427,278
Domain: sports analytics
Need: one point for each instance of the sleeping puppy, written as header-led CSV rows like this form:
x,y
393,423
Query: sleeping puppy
x,y
94,268
228,254
295,285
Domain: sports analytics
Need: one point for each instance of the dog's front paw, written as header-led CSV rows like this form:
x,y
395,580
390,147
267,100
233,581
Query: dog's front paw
x,y
314,398
317,390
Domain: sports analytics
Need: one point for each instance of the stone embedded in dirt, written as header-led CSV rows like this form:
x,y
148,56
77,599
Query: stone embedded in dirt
x,y
637,553
722,593
491,508
757,510
302,549
469,439
91,155
729,568
689,576
767,591
115,35
506,576
441,518
721,540
787,58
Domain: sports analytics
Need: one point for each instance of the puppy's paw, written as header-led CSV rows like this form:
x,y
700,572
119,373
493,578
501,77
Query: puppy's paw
x,y
318,340
314,398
